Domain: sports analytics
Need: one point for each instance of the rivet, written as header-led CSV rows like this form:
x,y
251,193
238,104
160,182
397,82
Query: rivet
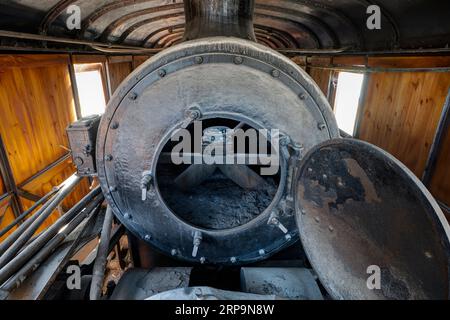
x,y
317,219
275,73
238,60
133,96
321,126
115,125
303,211
113,189
162,73
173,252
233,259
109,157
331,228
325,176
302,96
147,237
262,252
310,170
202,260
428,254
198,60
127,216
288,237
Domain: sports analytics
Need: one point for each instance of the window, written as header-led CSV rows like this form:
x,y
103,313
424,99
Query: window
x,y
91,89
346,104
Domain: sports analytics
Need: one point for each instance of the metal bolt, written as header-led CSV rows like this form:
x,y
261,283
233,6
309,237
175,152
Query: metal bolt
x,y
288,237
202,260
238,60
321,126
262,252
147,177
133,96
331,228
127,216
198,60
275,73
302,96
317,219
115,125
428,254
325,176
173,252
109,157
233,259
310,170
197,241
303,211
113,189
162,73
193,113
147,237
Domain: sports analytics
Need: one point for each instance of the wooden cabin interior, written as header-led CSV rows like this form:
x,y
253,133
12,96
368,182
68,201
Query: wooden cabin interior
x,y
389,87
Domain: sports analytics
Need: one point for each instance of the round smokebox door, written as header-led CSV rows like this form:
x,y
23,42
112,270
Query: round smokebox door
x,y
370,228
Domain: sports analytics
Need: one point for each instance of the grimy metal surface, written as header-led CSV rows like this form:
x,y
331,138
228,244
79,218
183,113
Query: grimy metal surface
x,y
314,24
222,77
360,213
230,18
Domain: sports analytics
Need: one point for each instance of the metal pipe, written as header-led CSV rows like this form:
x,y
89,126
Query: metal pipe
x,y
28,233
31,36
41,241
228,18
17,279
98,273
21,229
30,210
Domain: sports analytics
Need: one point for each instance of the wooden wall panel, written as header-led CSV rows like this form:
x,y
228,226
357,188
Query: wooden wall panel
x,y
36,106
322,78
118,72
401,114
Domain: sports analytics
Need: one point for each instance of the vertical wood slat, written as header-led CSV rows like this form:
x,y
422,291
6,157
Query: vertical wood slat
x,y
401,114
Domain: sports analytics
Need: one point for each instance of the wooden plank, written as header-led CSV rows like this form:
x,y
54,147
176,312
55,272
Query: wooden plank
x,y
138,60
409,62
401,113
88,58
117,73
120,59
322,78
28,61
37,105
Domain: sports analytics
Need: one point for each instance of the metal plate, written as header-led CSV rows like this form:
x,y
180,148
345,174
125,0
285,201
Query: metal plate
x,y
223,77
359,209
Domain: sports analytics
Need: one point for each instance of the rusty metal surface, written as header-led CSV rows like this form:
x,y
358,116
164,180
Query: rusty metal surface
x,y
357,206
314,24
244,91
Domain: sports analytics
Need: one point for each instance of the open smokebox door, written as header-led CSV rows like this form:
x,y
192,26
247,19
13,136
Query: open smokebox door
x,y
369,227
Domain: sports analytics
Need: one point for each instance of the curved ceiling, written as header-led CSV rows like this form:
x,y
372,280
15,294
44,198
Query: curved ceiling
x,y
304,24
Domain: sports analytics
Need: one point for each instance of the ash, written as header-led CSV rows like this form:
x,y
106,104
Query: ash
x,y
218,203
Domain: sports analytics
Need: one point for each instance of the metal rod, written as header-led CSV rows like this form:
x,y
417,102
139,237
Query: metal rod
x,y
46,169
85,204
439,137
18,278
379,69
21,229
28,233
8,179
26,213
98,273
